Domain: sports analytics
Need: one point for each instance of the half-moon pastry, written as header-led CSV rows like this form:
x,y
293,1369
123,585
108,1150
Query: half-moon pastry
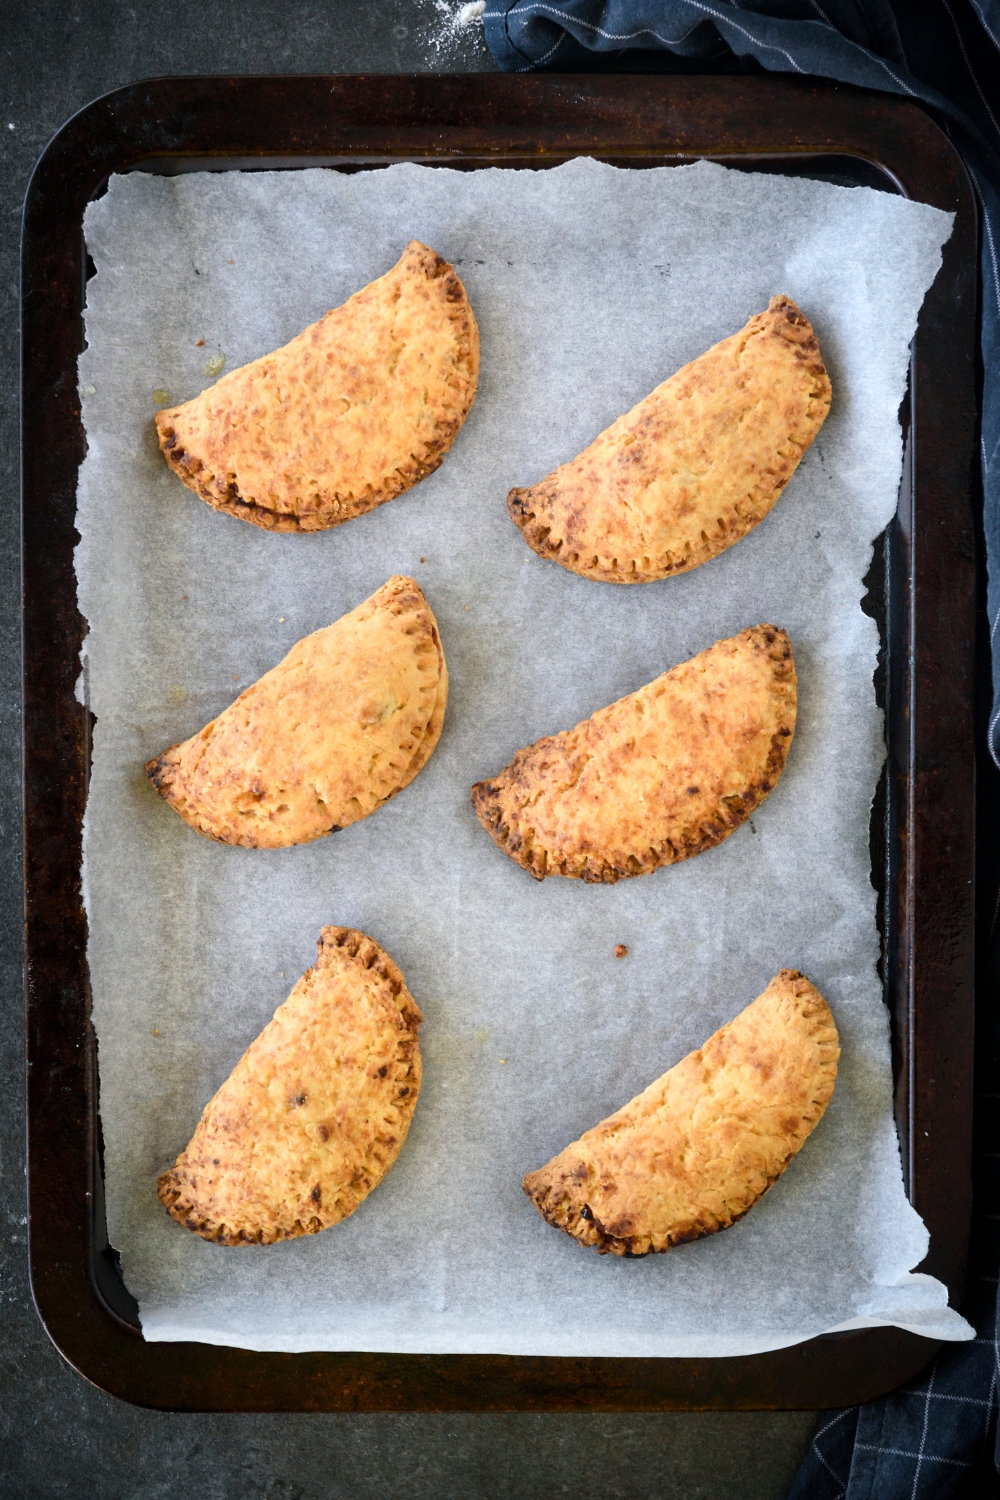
x,y
695,1151
665,773
343,723
691,469
352,412
316,1110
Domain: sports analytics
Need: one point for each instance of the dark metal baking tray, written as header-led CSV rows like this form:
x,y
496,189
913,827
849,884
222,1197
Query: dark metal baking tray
x,y
922,591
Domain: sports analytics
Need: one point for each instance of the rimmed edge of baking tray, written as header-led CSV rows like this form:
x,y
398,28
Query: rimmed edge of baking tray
x,y
924,575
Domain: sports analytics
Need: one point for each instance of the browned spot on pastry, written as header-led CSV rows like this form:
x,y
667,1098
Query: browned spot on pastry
x,y
691,469
694,1152
256,1171
663,774
355,410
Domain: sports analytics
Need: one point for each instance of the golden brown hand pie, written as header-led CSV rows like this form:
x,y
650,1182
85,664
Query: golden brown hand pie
x,y
693,467
355,410
693,1153
658,776
316,1110
342,724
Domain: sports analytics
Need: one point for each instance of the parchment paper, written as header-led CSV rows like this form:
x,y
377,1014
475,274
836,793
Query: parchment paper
x,y
590,285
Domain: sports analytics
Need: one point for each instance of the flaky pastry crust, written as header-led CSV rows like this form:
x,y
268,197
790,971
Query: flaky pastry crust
x,y
696,1150
355,410
661,775
316,1110
343,723
694,466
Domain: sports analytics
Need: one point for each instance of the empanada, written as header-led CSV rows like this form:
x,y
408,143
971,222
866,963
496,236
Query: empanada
x,y
693,1153
665,773
693,467
316,1110
352,412
342,724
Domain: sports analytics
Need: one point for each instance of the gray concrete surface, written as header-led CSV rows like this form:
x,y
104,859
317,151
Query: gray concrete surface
x,y
58,1435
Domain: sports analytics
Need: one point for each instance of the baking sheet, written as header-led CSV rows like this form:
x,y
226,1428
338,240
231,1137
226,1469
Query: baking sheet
x,y
590,285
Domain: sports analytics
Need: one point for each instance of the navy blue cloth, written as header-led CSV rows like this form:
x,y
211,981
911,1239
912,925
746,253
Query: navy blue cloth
x,y
938,1436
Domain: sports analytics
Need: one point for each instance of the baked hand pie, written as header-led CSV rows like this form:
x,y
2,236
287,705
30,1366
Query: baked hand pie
x,y
691,469
355,410
316,1110
342,724
695,1151
663,774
